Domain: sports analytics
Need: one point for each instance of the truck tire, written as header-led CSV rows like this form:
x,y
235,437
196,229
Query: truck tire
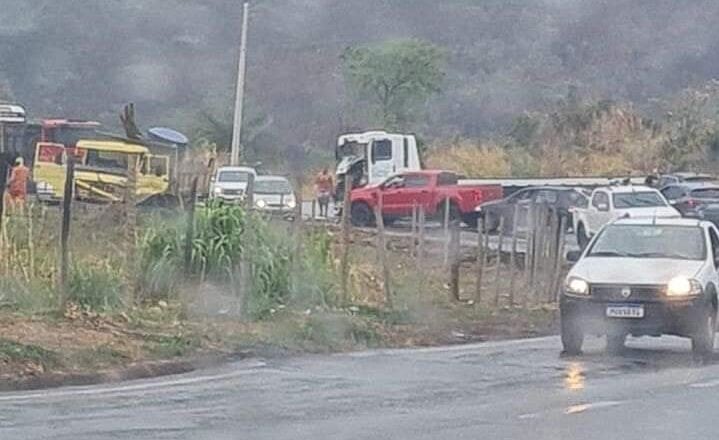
x,y
703,336
582,237
454,213
361,215
572,335
471,220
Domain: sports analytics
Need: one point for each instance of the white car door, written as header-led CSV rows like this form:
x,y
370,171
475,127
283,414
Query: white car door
x,y
600,211
714,250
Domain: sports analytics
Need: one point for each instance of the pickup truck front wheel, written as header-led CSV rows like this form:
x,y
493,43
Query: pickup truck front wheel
x,y
361,215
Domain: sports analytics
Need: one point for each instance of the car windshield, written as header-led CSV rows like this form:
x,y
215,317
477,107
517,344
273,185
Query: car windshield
x,y
706,193
650,241
272,187
639,199
233,176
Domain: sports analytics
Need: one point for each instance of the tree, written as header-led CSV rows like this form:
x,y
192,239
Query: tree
x,y
395,76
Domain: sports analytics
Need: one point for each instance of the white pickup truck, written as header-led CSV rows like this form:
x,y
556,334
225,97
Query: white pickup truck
x,y
612,202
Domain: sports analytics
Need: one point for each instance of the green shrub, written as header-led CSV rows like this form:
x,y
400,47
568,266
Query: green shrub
x,y
96,286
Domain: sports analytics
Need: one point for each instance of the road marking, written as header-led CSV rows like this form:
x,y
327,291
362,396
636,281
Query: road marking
x,y
577,409
453,348
707,384
252,368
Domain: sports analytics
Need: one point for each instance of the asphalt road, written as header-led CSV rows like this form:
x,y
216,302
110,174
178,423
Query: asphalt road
x,y
504,390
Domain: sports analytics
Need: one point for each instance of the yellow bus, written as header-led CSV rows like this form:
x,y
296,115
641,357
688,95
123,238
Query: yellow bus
x,y
101,170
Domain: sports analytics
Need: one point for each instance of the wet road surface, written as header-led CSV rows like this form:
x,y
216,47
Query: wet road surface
x,y
503,390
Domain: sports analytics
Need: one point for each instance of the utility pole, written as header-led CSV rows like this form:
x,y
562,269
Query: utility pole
x,y
240,93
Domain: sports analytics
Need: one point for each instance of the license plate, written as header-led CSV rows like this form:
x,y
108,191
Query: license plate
x,y
634,311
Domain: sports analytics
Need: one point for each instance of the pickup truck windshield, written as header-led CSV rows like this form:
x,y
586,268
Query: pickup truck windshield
x,y
640,199
272,187
233,176
650,241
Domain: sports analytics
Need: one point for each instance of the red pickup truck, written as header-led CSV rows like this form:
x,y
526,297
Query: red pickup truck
x,y
430,189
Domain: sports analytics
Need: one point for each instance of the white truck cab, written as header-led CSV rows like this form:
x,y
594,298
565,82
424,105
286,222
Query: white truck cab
x,y
229,183
612,202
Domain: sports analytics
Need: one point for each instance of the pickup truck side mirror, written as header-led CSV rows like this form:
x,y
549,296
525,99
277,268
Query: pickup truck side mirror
x,y
573,256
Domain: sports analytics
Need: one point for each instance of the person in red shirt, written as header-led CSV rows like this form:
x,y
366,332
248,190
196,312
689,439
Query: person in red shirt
x,y
324,185
17,185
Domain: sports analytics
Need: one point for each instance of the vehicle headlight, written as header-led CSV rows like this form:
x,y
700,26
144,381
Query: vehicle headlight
x,y
260,203
217,190
683,286
576,286
291,203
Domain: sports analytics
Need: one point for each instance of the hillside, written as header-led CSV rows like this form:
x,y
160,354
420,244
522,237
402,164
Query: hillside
x,y
175,58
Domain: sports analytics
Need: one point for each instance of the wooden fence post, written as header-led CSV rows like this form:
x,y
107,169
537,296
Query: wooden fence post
x,y
480,261
130,203
190,228
382,249
513,255
455,262
498,278
556,277
346,219
445,228
413,243
420,241
65,227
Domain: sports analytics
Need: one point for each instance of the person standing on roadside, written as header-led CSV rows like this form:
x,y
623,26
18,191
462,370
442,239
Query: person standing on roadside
x,y
324,185
17,184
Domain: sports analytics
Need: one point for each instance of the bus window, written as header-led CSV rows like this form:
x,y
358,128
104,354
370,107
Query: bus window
x,y
381,150
406,151
50,153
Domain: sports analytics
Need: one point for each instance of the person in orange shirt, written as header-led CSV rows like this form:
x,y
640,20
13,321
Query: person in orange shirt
x,y
17,185
324,185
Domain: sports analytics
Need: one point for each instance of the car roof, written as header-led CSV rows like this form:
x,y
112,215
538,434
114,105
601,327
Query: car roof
x,y
231,168
667,221
685,174
271,178
693,185
621,189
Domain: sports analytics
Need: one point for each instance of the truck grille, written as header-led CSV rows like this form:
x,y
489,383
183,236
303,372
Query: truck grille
x,y
614,292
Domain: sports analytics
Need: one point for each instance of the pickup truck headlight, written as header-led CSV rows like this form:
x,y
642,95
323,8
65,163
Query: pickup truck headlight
x,y
261,203
576,286
291,203
683,286
217,190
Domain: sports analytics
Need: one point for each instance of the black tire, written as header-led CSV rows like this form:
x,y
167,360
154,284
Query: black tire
x,y
491,223
582,237
388,221
615,343
454,213
361,215
572,336
471,220
703,337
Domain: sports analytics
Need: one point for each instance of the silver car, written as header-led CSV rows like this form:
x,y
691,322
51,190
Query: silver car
x,y
644,276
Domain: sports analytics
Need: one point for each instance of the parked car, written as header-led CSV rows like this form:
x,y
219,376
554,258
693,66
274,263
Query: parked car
x,y
612,202
696,199
643,276
563,199
428,189
683,177
230,183
274,195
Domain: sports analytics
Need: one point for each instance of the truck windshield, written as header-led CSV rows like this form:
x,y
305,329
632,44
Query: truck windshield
x,y
650,241
639,199
272,187
233,176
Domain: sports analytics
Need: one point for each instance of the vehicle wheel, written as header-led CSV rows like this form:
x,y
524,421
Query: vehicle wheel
x,y
471,220
491,223
361,215
388,221
582,237
615,343
572,336
454,213
703,338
